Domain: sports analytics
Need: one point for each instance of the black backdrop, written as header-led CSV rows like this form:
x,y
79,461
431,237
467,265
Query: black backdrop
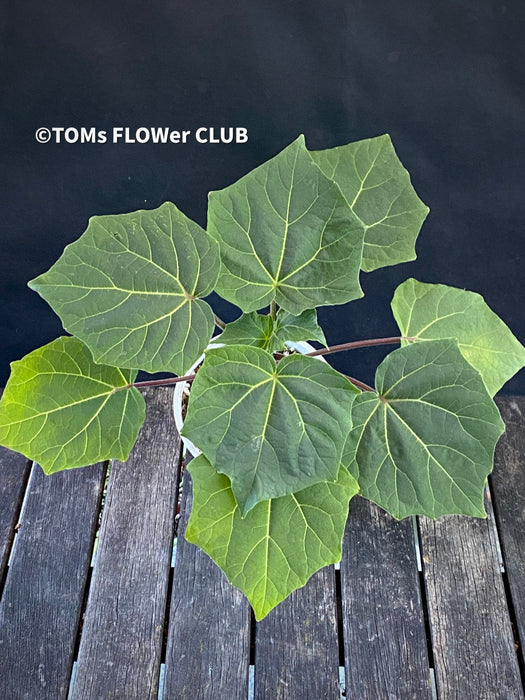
x,y
446,80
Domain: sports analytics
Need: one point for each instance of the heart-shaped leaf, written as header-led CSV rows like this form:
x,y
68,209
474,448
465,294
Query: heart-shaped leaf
x,y
424,444
129,288
434,311
62,410
279,544
262,331
272,428
379,191
287,234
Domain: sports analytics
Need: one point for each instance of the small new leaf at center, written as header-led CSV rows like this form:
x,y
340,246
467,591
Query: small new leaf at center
x,y
262,331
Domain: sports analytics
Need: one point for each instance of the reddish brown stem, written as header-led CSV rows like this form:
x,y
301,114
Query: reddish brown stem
x,y
359,384
159,382
358,344
315,353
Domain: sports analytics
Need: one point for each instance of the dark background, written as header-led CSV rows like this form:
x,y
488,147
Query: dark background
x,y
444,79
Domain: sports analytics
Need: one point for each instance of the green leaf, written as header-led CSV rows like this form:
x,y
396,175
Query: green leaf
x,y
261,331
129,288
279,544
433,311
61,409
272,428
286,234
424,444
297,328
249,329
379,191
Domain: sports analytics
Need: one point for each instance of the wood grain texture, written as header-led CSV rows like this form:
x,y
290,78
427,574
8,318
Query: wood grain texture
x,y
472,638
120,649
208,648
208,645
42,600
14,471
508,487
296,645
384,631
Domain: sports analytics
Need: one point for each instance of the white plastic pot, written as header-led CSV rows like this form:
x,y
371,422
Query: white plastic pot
x,y
178,394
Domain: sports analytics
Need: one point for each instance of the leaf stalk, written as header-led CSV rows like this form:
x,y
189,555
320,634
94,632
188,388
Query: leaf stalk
x,y
219,322
324,351
158,382
359,384
358,344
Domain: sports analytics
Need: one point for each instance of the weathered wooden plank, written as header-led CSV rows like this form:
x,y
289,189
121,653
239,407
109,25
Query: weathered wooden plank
x,y
208,648
472,641
508,486
121,644
296,645
42,600
383,620
14,471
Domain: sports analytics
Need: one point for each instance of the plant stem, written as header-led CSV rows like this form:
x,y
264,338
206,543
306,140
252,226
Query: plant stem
x,y
273,309
219,322
358,344
158,382
315,353
359,384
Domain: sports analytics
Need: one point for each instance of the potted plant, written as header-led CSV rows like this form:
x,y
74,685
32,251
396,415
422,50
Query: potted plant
x,y
286,440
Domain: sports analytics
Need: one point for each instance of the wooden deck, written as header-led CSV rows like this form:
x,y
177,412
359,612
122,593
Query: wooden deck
x,y
419,609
